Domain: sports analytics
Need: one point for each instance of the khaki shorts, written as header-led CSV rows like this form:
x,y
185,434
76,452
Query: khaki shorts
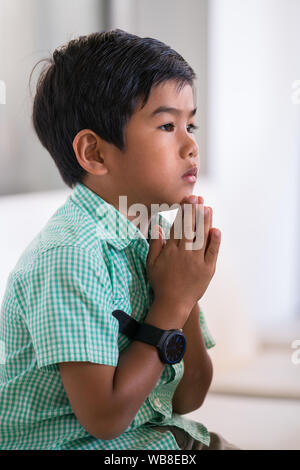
x,y
186,442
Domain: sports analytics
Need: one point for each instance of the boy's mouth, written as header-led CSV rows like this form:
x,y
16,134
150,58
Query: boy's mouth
x,y
191,175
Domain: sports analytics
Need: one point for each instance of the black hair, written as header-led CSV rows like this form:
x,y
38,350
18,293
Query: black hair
x,y
95,82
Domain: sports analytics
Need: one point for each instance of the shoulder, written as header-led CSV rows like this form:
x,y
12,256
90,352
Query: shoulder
x,y
69,230
69,225
63,273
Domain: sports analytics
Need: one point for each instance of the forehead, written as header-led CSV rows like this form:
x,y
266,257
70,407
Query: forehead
x,y
168,94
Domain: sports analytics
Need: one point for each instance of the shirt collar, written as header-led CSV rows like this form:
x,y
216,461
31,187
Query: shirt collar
x,y
112,225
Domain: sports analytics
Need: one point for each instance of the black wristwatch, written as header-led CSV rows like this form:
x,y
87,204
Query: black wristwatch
x,y
171,344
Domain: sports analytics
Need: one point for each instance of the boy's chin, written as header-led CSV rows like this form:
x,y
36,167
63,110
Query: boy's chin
x,y
173,199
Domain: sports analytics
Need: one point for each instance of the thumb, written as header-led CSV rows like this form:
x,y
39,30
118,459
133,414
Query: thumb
x,y
163,237
156,244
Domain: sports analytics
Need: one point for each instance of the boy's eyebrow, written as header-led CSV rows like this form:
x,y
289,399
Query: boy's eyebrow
x,y
168,109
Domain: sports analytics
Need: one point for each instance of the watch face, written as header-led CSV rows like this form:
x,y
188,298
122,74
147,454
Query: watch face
x,y
175,347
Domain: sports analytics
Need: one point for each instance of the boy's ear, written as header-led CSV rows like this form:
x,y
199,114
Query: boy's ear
x,y
88,150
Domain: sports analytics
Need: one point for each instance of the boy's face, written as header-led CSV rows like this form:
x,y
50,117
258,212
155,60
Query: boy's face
x,y
160,148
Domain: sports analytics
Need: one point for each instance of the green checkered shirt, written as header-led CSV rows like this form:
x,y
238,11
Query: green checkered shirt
x,y
87,261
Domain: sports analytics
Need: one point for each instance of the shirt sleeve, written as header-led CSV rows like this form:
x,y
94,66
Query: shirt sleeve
x,y
69,313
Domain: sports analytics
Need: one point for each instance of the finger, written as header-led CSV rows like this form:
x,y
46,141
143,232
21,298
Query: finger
x,y
200,201
189,218
176,228
212,250
162,236
201,229
208,218
193,199
209,228
188,224
155,245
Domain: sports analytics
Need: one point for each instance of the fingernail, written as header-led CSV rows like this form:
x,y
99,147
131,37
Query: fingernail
x,y
193,199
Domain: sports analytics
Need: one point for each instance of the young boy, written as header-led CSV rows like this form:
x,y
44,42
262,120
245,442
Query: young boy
x,y
116,113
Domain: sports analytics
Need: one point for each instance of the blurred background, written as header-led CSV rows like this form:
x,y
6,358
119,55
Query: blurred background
x,y
247,59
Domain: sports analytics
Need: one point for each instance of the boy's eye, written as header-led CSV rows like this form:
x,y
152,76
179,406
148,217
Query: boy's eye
x,y
169,127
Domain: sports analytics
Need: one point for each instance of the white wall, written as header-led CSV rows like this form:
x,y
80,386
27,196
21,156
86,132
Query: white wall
x,y
254,143
29,31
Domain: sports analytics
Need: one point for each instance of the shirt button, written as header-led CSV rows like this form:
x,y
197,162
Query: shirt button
x,y
157,403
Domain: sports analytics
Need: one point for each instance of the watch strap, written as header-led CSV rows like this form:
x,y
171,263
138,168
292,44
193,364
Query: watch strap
x,y
127,325
137,331
149,334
